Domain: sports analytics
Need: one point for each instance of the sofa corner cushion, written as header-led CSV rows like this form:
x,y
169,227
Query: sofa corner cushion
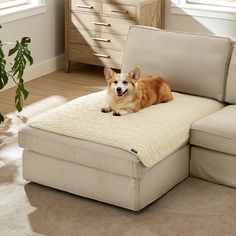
x,y
230,95
216,131
191,63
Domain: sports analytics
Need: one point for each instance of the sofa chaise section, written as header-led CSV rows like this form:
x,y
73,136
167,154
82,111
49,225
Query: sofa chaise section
x,y
62,156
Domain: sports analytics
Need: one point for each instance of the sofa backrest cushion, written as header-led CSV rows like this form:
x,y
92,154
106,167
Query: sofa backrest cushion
x,y
191,63
230,95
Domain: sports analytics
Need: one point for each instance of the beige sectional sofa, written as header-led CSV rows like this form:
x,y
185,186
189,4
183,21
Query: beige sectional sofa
x,y
132,160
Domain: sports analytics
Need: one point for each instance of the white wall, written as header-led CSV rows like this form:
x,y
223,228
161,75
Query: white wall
x,y
198,24
47,34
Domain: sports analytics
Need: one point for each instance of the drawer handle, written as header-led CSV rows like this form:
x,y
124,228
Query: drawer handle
x,y
84,6
101,39
101,55
118,11
101,23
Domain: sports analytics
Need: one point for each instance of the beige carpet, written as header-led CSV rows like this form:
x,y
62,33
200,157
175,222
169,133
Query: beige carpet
x,y
194,207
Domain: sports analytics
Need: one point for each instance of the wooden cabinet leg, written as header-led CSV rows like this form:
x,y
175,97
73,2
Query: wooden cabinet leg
x,y
67,66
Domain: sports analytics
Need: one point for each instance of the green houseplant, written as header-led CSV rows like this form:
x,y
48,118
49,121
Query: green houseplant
x,y
20,55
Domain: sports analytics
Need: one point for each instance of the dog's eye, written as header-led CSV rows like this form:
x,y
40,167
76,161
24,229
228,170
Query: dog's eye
x,y
115,82
125,82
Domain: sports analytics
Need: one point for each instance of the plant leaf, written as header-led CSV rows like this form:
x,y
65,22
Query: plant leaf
x,y
25,41
1,118
12,51
24,92
23,56
18,100
27,54
3,73
21,95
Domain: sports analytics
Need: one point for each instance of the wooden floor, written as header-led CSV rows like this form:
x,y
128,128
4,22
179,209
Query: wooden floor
x,y
83,79
45,93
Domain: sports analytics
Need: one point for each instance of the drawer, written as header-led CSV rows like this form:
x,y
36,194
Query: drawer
x,y
94,55
123,2
101,23
97,39
86,6
119,10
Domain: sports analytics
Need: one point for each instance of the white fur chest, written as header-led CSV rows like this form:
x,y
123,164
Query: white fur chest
x,y
124,103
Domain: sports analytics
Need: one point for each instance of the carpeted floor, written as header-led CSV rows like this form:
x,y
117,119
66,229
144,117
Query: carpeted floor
x,y
194,207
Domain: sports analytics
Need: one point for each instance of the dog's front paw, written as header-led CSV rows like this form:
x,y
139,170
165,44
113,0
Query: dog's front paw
x,y
120,113
106,109
115,113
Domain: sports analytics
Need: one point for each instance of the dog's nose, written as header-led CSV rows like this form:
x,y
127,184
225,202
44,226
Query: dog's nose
x,y
118,89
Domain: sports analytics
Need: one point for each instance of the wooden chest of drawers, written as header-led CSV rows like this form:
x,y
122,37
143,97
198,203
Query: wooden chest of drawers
x,y
96,30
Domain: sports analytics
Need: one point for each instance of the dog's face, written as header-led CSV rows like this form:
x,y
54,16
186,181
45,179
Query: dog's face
x,y
121,85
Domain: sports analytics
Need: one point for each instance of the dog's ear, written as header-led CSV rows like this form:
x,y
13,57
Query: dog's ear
x,y
135,74
108,73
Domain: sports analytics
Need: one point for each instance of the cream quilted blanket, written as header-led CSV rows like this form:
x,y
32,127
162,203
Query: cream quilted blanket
x,y
151,134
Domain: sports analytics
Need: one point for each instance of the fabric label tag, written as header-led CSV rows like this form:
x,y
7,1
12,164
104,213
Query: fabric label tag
x,y
134,151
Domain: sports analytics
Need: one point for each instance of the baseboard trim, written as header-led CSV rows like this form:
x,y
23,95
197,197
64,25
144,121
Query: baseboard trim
x,y
40,69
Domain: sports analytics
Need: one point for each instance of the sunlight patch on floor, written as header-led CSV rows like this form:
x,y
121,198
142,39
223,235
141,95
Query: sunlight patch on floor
x,y
9,149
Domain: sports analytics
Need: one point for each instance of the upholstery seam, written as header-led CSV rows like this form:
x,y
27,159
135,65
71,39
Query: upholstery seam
x,y
137,193
221,136
226,72
212,150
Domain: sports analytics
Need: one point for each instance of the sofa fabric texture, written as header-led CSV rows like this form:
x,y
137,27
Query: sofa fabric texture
x,y
216,131
231,80
191,63
154,132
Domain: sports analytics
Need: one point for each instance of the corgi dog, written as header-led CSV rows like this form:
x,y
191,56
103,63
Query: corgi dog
x,y
127,93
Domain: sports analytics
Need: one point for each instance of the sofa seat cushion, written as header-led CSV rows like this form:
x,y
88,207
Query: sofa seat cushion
x,y
216,131
86,153
149,135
